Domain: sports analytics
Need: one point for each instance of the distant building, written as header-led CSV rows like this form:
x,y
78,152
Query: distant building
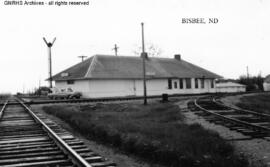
x,y
230,87
115,76
266,83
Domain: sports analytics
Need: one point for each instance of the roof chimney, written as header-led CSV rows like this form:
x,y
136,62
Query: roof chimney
x,y
177,57
145,55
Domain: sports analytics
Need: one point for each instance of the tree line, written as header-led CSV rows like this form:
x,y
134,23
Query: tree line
x,y
253,83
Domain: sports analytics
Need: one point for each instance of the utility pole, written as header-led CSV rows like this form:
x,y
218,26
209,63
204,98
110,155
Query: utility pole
x,y
144,55
82,57
49,45
247,73
115,49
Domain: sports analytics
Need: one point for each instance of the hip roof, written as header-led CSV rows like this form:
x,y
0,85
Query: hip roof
x,y
128,67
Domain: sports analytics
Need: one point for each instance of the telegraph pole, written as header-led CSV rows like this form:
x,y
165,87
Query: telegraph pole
x,y
50,44
144,55
82,57
247,73
115,49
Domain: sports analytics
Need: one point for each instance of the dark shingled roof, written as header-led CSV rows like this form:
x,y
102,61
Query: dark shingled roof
x,y
127,67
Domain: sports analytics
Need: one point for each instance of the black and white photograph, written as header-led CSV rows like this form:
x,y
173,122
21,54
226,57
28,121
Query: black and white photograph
x,y
133,83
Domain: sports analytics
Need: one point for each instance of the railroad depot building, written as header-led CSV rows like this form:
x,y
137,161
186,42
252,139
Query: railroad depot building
x,y
266,83
230,87
118,76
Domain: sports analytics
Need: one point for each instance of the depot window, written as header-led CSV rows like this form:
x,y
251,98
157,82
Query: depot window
x,y
188,83
181,84
70,82
169,83
212,83
196,83
202,83
175,85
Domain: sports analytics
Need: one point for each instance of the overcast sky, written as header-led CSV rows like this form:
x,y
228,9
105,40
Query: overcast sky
x,y
241,37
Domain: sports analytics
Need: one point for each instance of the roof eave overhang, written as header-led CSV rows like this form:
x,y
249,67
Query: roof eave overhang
x,y
127,78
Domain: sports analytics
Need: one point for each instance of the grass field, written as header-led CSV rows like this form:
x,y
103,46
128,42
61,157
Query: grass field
x,y
259,103
156,133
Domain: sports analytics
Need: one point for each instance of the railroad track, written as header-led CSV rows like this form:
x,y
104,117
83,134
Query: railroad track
x,y
35,100
28,138
249,123
87,100
48,101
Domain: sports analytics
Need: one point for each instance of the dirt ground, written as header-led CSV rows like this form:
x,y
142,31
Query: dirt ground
x,y
257,150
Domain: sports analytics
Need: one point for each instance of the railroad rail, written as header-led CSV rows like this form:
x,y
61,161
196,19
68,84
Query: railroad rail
x,y
86,100
3,108
35,99
247,122
27,138
241,110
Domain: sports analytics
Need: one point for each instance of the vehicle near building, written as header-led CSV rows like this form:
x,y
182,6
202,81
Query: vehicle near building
x,y
64,94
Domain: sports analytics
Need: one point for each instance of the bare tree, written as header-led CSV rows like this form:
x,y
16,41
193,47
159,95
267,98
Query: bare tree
x,y
151,49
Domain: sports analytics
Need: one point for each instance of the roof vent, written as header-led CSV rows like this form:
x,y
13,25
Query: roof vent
x,y
177,57
64,74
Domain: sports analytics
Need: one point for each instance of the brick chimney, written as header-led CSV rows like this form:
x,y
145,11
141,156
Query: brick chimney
x,y
144,55
177,57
